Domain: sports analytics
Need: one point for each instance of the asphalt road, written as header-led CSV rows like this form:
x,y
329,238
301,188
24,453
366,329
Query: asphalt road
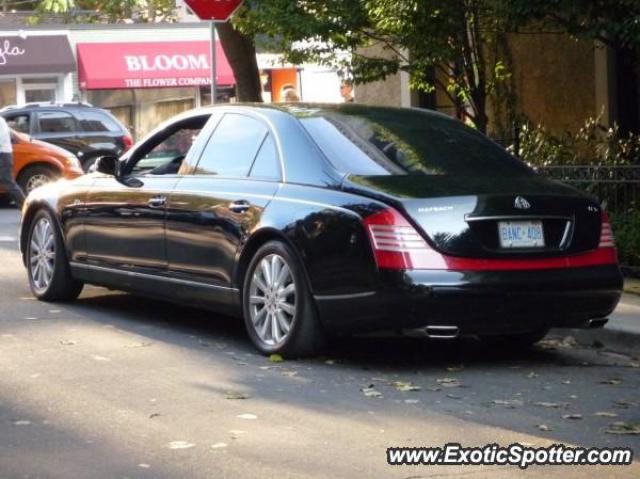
x,y
118,386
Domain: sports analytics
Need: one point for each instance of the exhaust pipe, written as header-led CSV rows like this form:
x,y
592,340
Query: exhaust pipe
x,y
596,323
434,332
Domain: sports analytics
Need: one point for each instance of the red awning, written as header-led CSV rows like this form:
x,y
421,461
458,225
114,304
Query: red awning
x,y
107,66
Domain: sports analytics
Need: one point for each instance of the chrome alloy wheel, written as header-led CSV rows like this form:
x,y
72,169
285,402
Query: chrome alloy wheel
x,y
42,255
272,299
36,181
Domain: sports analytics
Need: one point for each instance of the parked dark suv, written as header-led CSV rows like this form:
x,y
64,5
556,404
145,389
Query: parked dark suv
x,y
86,131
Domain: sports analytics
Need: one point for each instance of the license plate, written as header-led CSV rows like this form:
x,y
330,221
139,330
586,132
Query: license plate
x,y
521,234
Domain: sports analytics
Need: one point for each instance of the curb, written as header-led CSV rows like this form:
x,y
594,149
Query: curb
x,y
609,339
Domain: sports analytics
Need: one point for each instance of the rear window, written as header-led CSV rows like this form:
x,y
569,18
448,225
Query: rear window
x,y
370,142
96,121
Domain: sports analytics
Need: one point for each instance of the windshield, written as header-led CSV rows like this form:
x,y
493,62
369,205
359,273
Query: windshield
x,y
371,142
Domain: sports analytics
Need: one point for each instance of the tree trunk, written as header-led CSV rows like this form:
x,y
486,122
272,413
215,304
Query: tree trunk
x,y
241,53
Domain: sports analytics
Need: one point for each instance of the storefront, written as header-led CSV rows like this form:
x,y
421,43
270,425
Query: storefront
x,y
143,83
35,68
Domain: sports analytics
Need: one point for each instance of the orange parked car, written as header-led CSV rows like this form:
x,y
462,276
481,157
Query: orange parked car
x,y
36,162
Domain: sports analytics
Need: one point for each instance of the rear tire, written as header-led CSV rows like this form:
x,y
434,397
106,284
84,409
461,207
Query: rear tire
x,y
279,312
34,176
515,341
47,265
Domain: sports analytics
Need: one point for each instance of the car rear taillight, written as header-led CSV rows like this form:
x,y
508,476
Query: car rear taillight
x,y
128,141
606,233
396,244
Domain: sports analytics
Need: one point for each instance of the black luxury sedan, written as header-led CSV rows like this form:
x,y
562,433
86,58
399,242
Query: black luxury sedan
x,y
308,220
85,131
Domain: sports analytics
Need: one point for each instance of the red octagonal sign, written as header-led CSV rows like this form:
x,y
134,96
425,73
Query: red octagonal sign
x,y
218,10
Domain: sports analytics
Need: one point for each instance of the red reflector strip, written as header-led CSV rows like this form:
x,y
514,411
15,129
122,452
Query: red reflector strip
x,y
397,245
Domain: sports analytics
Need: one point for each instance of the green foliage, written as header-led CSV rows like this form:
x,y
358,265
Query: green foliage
x,y
593,144
615,22
112,11
626,229
439,43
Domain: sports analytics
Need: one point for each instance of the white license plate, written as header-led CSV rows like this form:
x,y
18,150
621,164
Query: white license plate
x,y
521,234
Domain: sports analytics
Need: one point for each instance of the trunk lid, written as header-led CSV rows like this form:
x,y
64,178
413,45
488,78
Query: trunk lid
x,y
474,216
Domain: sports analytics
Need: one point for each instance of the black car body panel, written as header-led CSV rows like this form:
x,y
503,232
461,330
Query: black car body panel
x,y
188,234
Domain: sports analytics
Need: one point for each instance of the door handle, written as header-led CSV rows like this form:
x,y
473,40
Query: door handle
x,y
157,202
239,206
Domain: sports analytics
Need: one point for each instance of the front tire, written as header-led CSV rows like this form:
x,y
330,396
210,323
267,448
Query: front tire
x,y
47,266
278,308
34,176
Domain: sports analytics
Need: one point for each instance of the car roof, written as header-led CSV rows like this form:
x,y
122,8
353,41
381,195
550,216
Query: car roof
x,y
305,110
49,106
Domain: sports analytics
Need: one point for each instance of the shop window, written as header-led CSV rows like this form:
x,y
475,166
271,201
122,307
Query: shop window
x,y
21,123
8,93
56,122
168,109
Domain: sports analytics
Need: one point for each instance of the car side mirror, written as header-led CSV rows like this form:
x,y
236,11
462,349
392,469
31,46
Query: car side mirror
x,y
107,165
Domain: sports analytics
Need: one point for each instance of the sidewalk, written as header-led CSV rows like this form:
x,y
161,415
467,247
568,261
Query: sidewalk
x,y
621,333
632,285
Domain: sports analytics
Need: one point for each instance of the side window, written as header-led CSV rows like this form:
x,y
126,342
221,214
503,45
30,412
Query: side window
x,y
267,164
95,121
21,123
232,146
56,122
165,157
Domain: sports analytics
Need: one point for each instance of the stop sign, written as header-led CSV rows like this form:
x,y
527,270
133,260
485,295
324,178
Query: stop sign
x,y
217,10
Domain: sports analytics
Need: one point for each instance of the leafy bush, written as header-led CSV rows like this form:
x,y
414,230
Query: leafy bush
x,y
626,229
593,144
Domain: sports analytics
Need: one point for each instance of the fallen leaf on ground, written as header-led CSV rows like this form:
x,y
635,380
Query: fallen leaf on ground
x,y
236,395
155,414
276,358
620,427
449,382
612,381
510,403
371,392
556,342
572,416
139,345
403,386
606,414
180,445
247,416
549,404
